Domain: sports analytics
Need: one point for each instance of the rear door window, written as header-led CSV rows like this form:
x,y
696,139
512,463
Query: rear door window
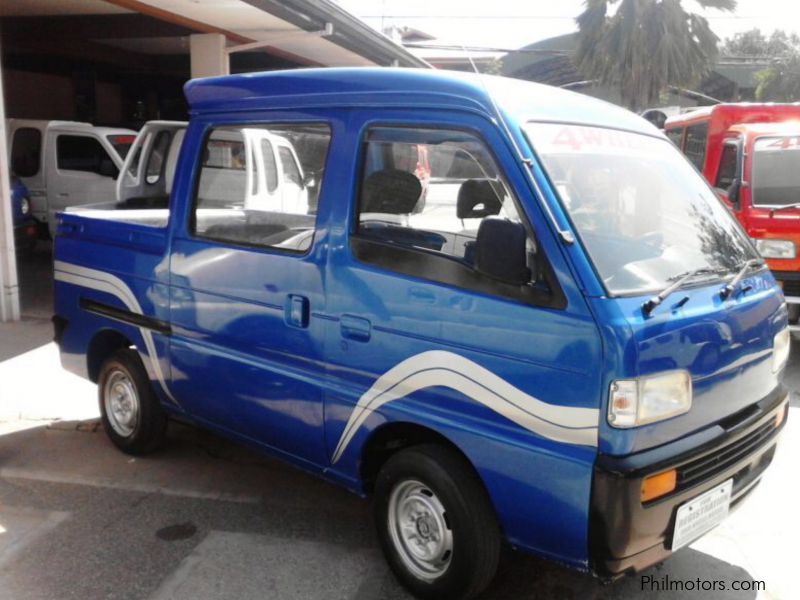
x,y
696,141
233,206
676,136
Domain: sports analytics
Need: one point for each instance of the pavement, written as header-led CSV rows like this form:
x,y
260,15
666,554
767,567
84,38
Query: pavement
x,y
207,519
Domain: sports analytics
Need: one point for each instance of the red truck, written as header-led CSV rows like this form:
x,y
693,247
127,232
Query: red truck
x,y
750,153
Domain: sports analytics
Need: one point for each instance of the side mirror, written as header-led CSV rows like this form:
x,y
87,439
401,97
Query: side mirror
x,y
733,192
309,180
107,169
501,251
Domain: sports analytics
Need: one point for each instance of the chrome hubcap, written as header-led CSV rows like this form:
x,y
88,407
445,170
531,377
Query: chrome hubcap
x,y
121,402
419,529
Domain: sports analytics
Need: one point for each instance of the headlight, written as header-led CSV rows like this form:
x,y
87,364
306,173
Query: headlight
x,y
775,248
25,206
780,349
635,402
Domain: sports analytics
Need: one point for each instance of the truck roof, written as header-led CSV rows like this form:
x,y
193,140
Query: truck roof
x,y
758,129
520,101
741,112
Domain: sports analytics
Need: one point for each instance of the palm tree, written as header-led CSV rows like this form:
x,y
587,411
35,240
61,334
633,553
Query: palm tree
x,y
645,45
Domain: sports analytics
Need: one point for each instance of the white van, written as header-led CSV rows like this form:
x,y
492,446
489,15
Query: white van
x,y
66,163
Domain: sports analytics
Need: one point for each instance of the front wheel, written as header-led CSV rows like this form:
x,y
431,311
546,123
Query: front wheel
x,y
436,524
131,413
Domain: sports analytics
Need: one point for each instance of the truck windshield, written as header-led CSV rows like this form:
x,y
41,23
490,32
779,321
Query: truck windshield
x,y
776,171
644,215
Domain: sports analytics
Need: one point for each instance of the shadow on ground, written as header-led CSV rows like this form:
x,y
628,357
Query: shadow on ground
x,y
206,518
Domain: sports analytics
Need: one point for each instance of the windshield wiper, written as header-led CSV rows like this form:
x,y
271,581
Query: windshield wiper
x,y
775,209
681,280
729,288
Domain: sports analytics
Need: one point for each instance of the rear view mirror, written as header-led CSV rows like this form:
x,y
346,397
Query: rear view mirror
x,y
501,251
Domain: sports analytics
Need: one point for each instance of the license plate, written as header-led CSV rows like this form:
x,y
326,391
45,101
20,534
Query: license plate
x,y
701,514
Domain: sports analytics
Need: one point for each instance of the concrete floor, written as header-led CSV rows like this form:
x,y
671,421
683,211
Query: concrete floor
x,y
207,519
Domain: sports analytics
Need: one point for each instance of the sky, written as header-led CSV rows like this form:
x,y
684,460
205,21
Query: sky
x,y
511,24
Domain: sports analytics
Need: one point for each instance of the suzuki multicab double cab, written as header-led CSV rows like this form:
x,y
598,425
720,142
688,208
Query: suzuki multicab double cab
x,y
566,344
750,153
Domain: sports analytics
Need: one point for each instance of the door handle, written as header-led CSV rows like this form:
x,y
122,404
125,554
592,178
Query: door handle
x,y
296,311
355,328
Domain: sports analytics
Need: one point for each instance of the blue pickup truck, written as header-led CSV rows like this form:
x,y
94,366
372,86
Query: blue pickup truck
x,y
508,313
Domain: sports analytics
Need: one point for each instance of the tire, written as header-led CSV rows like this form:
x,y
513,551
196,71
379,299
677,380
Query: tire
x,y
131,413
437,494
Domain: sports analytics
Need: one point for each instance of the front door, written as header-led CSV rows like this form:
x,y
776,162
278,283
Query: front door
x,y
247,289
435,322
80,171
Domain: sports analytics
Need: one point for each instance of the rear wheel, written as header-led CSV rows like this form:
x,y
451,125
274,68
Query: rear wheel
x,y
436,525
132,414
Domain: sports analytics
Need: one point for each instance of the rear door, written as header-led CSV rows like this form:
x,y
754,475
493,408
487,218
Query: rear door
x,y
248,294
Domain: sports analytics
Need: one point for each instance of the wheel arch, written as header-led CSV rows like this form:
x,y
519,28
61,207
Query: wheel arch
x,y
104,343
394,436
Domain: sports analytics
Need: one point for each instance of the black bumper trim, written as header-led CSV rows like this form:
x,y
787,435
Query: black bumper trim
x,y
625,535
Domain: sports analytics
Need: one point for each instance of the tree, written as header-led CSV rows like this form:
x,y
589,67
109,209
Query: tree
x,y
754,44
781,81
644,46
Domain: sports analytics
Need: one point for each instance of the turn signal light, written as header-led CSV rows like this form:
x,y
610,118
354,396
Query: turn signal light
x,y
780,416
659,485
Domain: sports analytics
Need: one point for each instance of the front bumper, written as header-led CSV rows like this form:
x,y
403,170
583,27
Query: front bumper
x,y
628,536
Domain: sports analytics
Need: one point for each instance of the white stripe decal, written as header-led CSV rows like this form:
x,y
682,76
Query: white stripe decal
x,y
110,284
439,368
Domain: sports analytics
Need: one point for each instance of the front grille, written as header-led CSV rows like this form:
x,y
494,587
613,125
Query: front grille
x,y
791,288
719,460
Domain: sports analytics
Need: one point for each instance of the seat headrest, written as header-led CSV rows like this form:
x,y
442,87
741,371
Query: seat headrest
x,y
391,191
477,199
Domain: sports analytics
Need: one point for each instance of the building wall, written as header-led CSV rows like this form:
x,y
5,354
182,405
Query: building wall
x,y
31,95
109,103
38,95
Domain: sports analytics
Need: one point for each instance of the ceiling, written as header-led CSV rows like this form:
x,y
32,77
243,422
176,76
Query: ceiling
x,y
44,8
288,29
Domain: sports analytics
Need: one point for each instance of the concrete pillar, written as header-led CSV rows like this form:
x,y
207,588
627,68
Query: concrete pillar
x,y
209,58
9,286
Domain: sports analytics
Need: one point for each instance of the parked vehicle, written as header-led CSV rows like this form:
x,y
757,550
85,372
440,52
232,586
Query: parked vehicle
x,y
65,163
568,344
26,231
751,154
